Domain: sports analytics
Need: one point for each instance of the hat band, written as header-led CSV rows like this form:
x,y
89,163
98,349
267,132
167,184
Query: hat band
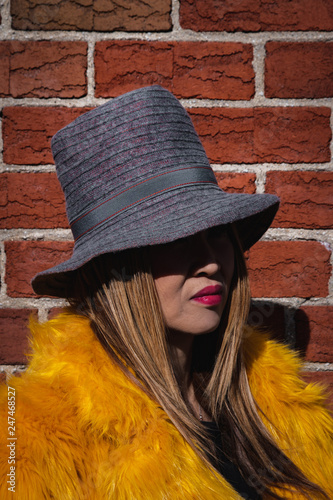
x,y
139,192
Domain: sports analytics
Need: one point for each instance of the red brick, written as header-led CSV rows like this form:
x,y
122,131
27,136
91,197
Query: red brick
x,y
236,183
256,15
314,335
54,312
13,335
44,69
289,269
262,135
299,69
4,68
213,70
306,198
292,135
27,132
123,66
26,258
31,200
98,15
210,70
325,379
269,317
227,134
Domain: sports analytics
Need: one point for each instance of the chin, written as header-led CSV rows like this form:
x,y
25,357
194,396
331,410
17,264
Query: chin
x,y
205,328
204,331
206,321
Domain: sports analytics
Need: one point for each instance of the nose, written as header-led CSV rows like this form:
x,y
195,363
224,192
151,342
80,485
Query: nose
x,y
206,260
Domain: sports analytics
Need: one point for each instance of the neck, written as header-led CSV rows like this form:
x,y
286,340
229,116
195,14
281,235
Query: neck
x,y
181,346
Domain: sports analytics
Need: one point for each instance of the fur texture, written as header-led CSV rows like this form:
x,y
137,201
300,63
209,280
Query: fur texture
x,y
84,431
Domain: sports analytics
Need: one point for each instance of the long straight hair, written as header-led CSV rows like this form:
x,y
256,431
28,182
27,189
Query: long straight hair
x,y
118,294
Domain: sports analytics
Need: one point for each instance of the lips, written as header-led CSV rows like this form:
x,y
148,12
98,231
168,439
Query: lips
x,y
210,295
209,290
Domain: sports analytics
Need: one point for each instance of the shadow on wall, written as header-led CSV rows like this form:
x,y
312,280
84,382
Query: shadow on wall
x,y
284,323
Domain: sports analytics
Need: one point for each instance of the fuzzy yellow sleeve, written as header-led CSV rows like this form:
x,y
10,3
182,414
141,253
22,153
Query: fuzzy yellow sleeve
x,y
44,450
18,475
295,412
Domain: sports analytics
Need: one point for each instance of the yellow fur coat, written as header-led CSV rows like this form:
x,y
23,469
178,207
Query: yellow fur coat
x,y
84,431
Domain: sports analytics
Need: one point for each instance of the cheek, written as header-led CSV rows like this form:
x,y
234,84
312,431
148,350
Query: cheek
x,y
170,301
169,268
169,293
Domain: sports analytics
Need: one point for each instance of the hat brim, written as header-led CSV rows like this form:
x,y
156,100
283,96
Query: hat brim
x,y
145,224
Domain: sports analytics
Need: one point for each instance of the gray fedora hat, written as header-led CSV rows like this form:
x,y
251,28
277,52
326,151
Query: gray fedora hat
x,y
134,173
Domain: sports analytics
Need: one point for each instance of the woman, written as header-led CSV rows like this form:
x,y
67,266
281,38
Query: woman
x,y
151,386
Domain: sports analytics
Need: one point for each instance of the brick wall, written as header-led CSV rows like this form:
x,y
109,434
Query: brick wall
x,y
256,78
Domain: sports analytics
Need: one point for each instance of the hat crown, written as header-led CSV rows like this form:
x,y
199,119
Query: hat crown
x,y
134,137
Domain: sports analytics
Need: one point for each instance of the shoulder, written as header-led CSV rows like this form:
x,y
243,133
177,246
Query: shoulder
x,y
275,372
49,446
294,411
44,392
40,424
73,386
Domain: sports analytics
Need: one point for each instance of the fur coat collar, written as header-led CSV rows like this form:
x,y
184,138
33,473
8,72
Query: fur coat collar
x,y
85,431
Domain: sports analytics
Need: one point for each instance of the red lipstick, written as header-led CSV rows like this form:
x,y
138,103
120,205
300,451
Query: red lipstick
x,y
210,295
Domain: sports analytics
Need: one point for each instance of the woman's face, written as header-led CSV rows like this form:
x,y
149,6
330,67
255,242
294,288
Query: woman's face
x,y
193,276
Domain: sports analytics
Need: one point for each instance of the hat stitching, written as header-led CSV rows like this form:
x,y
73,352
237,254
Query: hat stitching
x,y
118,103
169,148
80,134
122,137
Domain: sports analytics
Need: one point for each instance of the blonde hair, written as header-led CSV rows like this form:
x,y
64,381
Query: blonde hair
x,y
117,293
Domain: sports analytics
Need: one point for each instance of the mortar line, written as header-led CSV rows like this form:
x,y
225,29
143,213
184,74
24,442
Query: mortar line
x,y
259,69
1,143
91,72
11,370
42,315
33,303
64,234
266,167
3,291
317,367
283,234
260,181
177,34
330,283
38,169
331,122
217,167
34,234
256,102
175,20
6,17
